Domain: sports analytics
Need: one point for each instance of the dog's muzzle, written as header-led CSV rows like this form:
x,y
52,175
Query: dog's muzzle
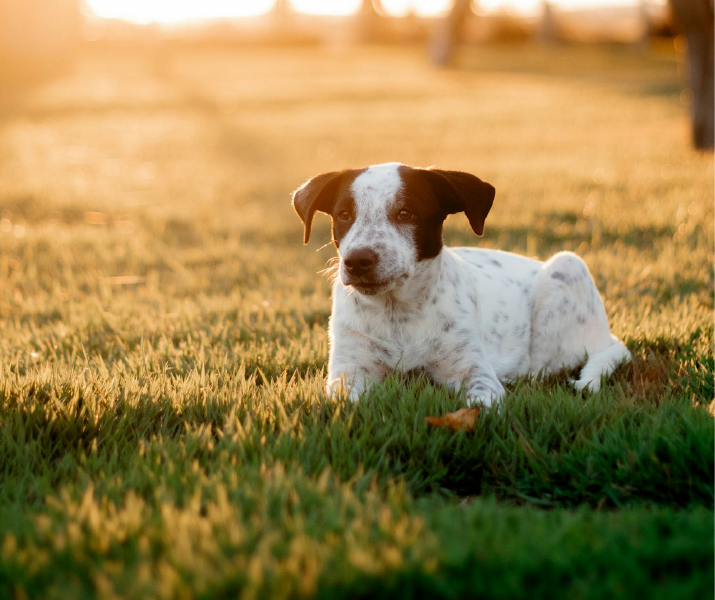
x,y
360,264
361,271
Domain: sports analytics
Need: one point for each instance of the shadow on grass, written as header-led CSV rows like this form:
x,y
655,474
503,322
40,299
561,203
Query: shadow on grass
x,y
660,369
547,445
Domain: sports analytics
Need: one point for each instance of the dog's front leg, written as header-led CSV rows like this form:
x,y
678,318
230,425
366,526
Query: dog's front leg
x,y
483,389
353,366
466,367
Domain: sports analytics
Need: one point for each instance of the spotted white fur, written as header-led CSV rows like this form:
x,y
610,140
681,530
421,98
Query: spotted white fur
x,y
374,191
469,318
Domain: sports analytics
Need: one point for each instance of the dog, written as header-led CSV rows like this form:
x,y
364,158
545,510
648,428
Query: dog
x,y
468,318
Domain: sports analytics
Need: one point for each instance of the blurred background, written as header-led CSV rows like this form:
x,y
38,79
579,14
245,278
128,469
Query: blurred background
x,y
148,148
61,22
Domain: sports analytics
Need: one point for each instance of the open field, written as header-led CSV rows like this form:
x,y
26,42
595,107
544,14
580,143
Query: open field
x,y
163,341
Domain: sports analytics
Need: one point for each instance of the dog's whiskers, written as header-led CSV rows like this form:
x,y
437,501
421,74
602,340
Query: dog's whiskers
x,y
332,269
324,246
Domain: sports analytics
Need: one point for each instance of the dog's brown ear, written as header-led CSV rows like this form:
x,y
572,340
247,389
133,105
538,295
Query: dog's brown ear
x,y
462,192
318,193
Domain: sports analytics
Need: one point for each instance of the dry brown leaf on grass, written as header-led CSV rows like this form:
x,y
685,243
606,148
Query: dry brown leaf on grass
x,y
463,419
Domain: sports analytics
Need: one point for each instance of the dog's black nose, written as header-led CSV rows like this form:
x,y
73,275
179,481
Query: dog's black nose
x,y
360,262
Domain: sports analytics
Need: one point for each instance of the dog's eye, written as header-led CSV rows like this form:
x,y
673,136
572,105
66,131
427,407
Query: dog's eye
x,y
404,215
344,215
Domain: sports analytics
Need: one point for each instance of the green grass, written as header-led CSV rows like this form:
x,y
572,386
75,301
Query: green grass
x,y
163,431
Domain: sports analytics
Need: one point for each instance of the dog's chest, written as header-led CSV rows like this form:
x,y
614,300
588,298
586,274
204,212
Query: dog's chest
x,y
398,339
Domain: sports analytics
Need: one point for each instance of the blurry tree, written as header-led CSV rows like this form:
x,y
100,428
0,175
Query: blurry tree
x,y
643,40
448,31
547,31
694,18
281,8
370,21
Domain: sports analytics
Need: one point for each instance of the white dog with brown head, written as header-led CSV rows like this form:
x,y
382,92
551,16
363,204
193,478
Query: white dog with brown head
x,y
468,318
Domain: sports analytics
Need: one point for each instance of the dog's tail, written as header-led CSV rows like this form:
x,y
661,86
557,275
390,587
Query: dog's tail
x,y
602,364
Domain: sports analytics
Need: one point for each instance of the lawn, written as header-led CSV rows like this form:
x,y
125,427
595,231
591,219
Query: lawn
x,y
163,345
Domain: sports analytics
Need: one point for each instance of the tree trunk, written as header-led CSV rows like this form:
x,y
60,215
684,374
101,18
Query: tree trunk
x,y
643,40
548,30
694,18
369,22
447,32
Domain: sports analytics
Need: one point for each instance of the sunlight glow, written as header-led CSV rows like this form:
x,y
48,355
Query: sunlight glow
x,y
534,7
177,11
421,8
327,7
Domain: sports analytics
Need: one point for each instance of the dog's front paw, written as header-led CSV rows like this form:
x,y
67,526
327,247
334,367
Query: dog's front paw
x,y
590,386
342,386
484,393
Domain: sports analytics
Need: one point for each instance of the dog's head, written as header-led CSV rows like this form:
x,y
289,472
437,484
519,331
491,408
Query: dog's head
x,y
387,219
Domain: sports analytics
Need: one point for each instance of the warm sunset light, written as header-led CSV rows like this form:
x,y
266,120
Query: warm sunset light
x,y
176,11
357,298
168,11
531,7
326,7
423,8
